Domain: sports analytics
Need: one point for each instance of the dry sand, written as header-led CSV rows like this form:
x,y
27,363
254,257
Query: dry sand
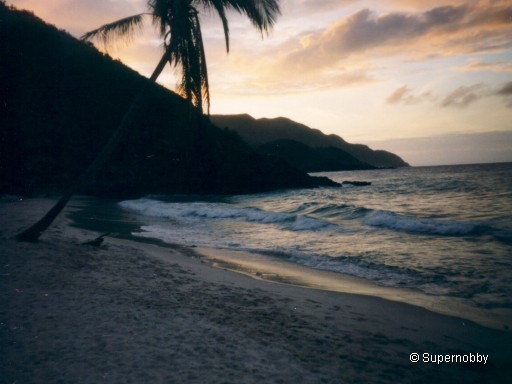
x,y
128,312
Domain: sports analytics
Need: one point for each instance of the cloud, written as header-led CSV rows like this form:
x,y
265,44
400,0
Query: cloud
x,y
306,7
506,92
479,65
460,97
404,95
464,96
319,56
265,83
425,5
421,4
445,30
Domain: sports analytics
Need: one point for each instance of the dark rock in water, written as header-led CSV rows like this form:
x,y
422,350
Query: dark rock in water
x,y
358,183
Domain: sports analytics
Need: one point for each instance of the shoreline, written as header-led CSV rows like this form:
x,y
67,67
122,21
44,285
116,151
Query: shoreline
x,y
132,312
104,216
278,271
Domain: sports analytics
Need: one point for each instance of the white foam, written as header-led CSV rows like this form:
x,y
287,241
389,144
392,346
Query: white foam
x,y
154,208
398,222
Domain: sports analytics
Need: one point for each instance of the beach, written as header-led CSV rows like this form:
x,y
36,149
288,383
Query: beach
x,y
133,312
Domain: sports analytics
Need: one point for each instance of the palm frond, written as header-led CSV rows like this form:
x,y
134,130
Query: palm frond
x,y
179,26
187,43
161,13
123,28
220,7
262,13
202,70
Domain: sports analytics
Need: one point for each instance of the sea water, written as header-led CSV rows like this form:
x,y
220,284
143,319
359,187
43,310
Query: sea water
x,y
443,231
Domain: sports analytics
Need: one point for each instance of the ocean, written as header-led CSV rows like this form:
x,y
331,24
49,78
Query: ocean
x,y
443,231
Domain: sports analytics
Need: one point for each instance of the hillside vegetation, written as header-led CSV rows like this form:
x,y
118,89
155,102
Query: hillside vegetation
x,y
60,101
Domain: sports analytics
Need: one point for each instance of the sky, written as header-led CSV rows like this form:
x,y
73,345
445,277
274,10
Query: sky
x,y
428,80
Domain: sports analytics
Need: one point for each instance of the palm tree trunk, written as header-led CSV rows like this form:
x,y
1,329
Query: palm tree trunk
x,y
33,233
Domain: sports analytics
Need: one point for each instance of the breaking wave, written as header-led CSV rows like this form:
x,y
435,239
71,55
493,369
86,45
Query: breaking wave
x,y
198,210
404,223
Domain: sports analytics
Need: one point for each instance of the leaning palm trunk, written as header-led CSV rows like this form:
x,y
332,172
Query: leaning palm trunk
x,y
33,233
179,21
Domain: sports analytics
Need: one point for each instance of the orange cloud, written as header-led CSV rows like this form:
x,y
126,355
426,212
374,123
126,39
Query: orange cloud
x,y
479,65
339,55
260,76
445,31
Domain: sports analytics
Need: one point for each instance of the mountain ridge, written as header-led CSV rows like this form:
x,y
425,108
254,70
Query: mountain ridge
x,y
257,132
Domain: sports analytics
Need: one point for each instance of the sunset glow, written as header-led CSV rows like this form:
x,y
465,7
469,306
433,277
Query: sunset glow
x,y
430,81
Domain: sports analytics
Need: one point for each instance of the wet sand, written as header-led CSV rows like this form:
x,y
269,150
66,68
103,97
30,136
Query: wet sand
x,y
280,271
129,312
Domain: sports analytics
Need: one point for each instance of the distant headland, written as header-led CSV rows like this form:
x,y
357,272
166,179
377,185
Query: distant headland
x,y
306,148
62,99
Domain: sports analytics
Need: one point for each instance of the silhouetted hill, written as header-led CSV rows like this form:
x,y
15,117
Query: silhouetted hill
x,y
263,131
60,100
311,159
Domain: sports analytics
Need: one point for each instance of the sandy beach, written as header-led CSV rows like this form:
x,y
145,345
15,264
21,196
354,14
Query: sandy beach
x,y
131,312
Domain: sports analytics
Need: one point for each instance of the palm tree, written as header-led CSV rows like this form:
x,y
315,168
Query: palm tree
x,y
179,26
